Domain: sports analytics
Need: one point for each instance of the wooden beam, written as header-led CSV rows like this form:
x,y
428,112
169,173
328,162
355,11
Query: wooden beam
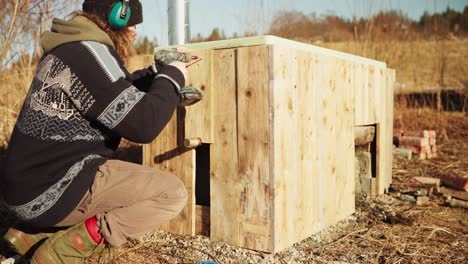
x,y
364,135
254,144
199,117
225,181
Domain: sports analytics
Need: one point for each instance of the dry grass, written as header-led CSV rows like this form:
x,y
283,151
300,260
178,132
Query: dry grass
x,y
452,141
15,84
419,64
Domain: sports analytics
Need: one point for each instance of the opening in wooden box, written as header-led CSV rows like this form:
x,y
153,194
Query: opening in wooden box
x,y
202,190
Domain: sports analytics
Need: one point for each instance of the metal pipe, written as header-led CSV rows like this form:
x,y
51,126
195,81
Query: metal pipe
x,y
178,21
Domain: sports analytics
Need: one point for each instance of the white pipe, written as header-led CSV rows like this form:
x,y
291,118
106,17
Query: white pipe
x,y
179,22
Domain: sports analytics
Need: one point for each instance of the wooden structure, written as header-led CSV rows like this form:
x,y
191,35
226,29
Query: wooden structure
x,y
277,125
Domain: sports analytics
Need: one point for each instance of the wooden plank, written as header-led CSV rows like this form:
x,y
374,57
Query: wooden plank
x,y
308,191
368,93
165,154
273,40
364,135
199,119
286,104
225,181
320,81
378,89
254,144
385,135
328,128
389,101
462,195
344,138
361,74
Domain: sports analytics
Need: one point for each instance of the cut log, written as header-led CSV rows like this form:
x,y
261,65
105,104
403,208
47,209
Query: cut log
x,y
363,135
454,193
458,203
457,182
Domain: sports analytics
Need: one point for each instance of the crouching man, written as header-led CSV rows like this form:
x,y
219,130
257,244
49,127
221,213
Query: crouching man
x,y
59,172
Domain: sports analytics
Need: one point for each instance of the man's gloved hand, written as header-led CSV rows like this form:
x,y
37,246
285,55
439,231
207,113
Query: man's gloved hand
x,y
190,95
178,58
181,67
170,55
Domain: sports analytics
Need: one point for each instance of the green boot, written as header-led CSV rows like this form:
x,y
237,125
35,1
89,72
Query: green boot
x,y
20,242
71,246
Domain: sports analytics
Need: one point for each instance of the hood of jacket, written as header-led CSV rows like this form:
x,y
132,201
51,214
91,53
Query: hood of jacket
x,y
78,28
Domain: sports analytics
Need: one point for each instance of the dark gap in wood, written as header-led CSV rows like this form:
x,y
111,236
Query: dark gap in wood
x,y
373,151
202,175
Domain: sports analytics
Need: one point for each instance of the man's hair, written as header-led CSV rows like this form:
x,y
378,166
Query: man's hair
x,y
121,38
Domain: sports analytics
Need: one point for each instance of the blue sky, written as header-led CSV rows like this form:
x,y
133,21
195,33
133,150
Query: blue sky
x,y
255,15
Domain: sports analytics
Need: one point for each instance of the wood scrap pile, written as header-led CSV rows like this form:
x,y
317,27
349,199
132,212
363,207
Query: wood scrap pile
x,y
422,144
420,190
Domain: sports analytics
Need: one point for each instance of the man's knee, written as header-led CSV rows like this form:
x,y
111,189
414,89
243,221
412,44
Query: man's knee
x,y
180,193
175,192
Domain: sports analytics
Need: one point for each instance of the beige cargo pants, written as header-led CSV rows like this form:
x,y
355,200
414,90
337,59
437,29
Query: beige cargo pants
x,y
129,200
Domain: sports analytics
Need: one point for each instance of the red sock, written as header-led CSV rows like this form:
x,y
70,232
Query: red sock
x,y
93,230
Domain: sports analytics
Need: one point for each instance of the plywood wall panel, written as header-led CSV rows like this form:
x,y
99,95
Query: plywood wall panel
x,y
285,128
225,181
254,146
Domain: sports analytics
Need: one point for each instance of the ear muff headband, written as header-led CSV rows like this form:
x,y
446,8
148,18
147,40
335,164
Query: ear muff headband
x,y
119,14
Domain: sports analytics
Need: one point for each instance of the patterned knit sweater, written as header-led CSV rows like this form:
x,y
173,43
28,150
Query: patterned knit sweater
x,y
81,102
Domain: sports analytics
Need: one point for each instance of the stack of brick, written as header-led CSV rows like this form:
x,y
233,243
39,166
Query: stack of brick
x,y
422,143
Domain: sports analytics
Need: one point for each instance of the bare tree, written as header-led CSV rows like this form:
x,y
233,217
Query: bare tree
x,y
23,21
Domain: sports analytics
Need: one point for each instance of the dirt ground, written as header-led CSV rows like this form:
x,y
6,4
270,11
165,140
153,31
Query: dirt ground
x,y
383,229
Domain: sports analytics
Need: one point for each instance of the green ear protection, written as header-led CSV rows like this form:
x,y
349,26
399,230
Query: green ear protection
x,y
119,14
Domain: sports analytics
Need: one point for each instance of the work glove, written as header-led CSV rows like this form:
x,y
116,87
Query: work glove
x,y
177,58
181,67
190,95
167,56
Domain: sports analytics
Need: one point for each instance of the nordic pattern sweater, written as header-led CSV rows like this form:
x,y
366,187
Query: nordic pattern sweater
x,y
81,102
